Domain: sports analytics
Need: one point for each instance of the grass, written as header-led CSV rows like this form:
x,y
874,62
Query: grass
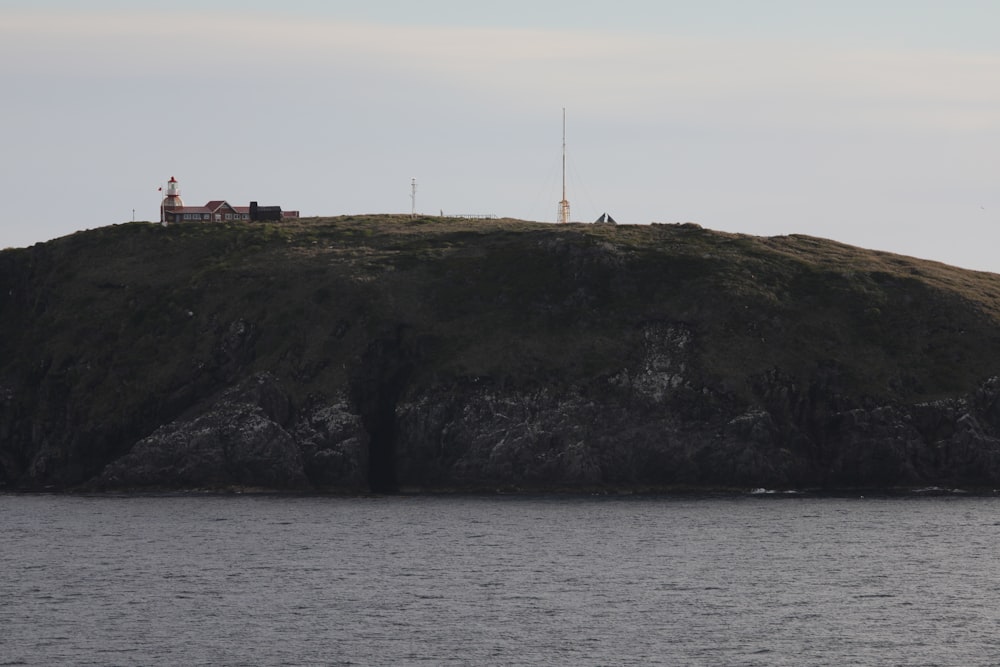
x,y
138,310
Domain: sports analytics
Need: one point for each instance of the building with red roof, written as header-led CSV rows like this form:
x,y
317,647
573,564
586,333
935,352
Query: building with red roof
x,y
172,209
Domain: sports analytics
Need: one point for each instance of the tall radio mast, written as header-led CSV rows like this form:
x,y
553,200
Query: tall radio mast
x,y
564,204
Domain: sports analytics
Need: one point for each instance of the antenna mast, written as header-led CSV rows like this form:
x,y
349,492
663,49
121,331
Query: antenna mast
x,y
413,197
564,204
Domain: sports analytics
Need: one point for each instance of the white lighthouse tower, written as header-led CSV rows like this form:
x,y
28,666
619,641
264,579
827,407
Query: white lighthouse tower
x,y
172,200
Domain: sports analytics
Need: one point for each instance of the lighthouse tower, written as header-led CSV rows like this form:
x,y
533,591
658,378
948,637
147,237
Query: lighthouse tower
x,y
171,201
173,198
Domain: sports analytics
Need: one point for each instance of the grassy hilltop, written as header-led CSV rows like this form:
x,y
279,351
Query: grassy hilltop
x,y
110,334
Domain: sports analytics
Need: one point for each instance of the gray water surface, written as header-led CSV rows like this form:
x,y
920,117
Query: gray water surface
x,y
261,580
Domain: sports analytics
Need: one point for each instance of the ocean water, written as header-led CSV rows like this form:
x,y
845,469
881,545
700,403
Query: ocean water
x,y
270,580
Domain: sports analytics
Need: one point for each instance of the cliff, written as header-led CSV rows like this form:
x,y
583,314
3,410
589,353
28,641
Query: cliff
x,y
385,353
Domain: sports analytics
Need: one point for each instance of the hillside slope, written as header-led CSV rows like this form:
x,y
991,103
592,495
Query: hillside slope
x,y
385,353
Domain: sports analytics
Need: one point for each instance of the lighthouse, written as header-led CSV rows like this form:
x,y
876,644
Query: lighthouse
x,y
173,198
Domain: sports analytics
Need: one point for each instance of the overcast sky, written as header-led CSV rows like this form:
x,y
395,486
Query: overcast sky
x,y
874,122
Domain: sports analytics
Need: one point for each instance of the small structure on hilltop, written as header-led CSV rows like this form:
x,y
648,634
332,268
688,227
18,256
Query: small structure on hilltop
x,y
261,213
172,209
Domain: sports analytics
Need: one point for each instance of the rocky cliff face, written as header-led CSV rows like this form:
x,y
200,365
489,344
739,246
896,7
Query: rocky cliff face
x,y
383,354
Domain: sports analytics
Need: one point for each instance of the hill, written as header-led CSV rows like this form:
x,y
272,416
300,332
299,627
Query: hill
x,y
389,352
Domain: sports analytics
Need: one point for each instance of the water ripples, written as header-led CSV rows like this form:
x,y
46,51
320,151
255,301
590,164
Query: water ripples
x,y
498,581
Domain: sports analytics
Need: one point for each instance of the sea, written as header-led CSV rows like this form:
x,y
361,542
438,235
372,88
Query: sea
x,y
760,579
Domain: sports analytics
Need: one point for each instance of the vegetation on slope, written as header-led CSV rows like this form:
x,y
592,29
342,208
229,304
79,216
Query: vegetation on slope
x,y
107,333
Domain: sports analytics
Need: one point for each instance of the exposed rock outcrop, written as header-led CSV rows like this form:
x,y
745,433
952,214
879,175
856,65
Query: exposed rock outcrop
x,y
239,441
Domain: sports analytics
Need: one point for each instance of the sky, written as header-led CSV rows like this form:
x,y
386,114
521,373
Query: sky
x,y
871,122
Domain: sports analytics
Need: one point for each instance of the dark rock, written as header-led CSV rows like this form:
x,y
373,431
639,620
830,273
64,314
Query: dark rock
x,y
238,442
334,447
